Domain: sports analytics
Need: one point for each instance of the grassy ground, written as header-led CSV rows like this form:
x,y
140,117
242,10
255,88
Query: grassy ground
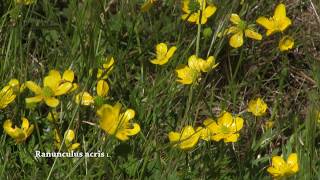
x,y
78,35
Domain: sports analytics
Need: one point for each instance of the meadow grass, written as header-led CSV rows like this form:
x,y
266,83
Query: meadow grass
x,y
78,35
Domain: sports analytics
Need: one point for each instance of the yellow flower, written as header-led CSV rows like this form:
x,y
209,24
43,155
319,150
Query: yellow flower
x,y
53,85
226,128
7,95
25,2
239,29
163,55
281,169
278,23
107,68
19,134
115,123
85,98
202,65
187,75
286,43
16,86
194,16
186,139
257,107
69,136
190,74
147,5
102,88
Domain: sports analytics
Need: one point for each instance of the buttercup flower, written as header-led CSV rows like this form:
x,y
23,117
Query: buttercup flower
x,y
186,139
226,128
286,43
193,14
115,123
19,134
84,98
53,85
281,169
147,5
190,74
202,65
278,23
187,75
257,107
69,136
163,55
7,95
107,68
239,29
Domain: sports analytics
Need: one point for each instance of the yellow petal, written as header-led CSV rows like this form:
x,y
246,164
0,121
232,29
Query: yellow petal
x,y
35,99
235,19
195,63
185,6
161,50
188,138
171,52
134,130
33,87
236,40
293,162
225,120
30,130
267,24
14,83
204,133
280,12
68,75
231,138
69,136
174,136
7,126
102,88
109,117
252,34
275,172
236,125
209,11
63,89
278,162
55,73
212,126
52,81
127,116
286,43
218,137
51,101
6,96
25,124
122,135
74,146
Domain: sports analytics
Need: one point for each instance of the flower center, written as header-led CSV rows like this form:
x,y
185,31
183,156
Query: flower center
x,y
47,91
225,130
